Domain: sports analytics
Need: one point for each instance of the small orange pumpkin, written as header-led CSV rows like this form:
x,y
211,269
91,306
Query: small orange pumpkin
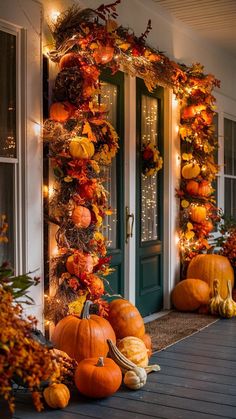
x,y
134,349
191,111
103,54
198,213
190,170
95,286
192,187
79,262
57,395
84,337
125,319
71,59
98,377
190,294
81,216
61,111
204,188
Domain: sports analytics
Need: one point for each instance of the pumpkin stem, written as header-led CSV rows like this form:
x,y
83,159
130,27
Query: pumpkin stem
x,y
85,314
229,288
100,362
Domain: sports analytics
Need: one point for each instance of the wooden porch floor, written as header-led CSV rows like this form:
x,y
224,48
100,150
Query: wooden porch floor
x,y
197,381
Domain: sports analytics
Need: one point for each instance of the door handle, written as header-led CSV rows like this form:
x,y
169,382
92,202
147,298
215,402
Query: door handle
x,y
129,226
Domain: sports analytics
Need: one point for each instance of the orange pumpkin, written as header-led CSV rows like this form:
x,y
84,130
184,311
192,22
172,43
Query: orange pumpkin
x,y
198,213
204,188
71,59
61,111
190,170
191,111
79,262
207,226
103,54
98,377
211,267
190,294
95,286
81,216
134,349
192,187
84,337
146,338
125,319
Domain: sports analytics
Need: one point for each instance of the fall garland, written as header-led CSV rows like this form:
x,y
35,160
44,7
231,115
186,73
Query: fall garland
x,y
81,141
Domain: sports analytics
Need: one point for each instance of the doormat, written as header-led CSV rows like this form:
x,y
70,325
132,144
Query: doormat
x,y
175,326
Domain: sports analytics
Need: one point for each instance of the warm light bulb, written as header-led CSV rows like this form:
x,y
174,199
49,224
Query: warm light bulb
x,y
54,15
36,128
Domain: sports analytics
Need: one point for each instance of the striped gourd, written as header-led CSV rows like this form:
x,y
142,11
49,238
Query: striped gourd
x,y
134,349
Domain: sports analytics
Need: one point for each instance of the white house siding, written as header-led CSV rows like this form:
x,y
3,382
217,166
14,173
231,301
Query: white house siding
x,y
26,17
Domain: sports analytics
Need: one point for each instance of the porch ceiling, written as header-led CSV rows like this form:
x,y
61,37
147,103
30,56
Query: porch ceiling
x,y
214,19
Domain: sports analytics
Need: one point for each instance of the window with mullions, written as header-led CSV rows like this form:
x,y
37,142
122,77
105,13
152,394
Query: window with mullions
x,y
8,141
230,168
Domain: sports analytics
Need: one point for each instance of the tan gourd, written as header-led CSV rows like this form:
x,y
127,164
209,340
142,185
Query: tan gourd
x,y
134,349
124,363
216,300
227,307
136,378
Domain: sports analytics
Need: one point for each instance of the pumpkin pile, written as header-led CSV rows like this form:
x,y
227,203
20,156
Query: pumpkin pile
x,y
105,351
210,279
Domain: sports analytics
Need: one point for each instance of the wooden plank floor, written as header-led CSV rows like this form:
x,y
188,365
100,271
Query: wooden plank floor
x,y
197,381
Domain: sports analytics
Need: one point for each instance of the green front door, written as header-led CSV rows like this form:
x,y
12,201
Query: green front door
x,y
112,94
149,204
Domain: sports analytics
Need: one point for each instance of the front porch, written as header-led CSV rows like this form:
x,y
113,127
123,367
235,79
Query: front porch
x,y
197,380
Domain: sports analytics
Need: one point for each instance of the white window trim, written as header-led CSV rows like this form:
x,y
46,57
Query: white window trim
x,y
17,162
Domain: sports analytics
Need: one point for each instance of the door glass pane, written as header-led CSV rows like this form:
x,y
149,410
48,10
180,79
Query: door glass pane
x,y
149,135
230,147
230,197
8,95
109,97
7,208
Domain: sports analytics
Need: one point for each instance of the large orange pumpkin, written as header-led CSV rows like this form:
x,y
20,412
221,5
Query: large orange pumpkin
x,y
98,377
190,294
84,337
81,216
125,319
210,267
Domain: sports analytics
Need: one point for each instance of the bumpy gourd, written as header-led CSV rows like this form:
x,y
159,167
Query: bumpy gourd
x,y
135,379
134,349
216,300
124,363
227,307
